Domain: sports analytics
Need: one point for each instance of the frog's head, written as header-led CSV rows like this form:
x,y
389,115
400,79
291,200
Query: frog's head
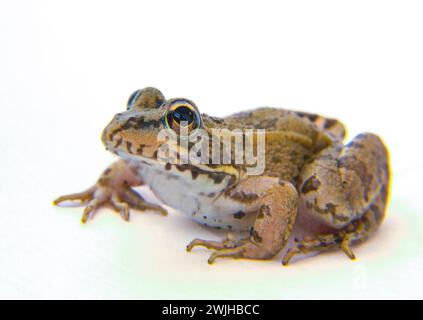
x,y
134,132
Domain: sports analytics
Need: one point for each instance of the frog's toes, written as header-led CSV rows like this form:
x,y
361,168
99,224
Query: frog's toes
x,y
89,209
228,248
339,240
120,206
82,197
102,199
136,201
216,245
121,199
345,247
235,252
125,198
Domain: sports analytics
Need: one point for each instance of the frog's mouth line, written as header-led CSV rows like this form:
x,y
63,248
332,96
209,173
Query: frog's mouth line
x,y
217,174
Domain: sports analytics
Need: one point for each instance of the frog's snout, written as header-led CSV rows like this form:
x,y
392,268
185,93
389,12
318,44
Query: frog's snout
x,y
104,137
110,131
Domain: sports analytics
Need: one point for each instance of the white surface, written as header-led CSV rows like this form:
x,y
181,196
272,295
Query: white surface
x,y
67,67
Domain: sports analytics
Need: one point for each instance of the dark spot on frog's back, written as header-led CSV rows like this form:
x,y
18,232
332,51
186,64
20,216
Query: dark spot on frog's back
x,y
312,184
329,123
168,166
267,123
311,116
239,215
216,120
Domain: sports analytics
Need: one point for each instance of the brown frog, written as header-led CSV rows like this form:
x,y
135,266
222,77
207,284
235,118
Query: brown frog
x,y
338,192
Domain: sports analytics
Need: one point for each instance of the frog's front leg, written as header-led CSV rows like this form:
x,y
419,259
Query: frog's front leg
x,y
276,201
113,188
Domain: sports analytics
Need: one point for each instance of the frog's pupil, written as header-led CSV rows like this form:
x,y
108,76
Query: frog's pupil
x,y
183,114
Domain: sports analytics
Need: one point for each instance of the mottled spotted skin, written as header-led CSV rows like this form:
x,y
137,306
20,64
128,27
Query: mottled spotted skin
x,y
337,192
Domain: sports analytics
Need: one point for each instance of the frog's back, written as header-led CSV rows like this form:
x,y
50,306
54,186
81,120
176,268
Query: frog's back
x,y
289,139
276,119
292,137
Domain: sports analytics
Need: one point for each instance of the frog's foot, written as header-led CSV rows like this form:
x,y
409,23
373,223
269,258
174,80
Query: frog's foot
x,y
356,231
215,245
119,198
229,248
320,243
113,188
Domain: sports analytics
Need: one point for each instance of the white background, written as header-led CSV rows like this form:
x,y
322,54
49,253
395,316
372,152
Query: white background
x,y
66,67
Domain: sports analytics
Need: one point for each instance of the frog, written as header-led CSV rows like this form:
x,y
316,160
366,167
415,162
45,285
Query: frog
x,y
337,191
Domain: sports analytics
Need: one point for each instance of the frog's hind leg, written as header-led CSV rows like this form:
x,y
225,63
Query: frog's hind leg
x,y
357,231
344,189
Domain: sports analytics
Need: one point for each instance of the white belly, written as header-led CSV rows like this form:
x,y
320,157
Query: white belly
x,y
201,200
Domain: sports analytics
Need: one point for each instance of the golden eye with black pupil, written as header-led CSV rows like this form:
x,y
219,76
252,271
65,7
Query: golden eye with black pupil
x,y
182,116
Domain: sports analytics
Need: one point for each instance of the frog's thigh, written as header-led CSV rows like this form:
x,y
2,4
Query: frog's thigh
x,y
277,202
345,188
342,182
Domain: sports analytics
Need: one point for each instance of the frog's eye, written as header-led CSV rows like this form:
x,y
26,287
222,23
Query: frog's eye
x,y
132,98
182,115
